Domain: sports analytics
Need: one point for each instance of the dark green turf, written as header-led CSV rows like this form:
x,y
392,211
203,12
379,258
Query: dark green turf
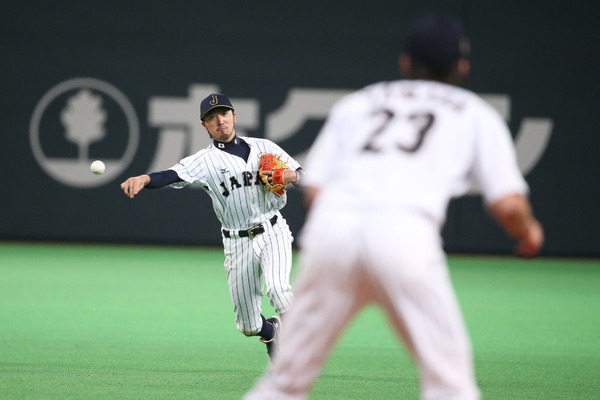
x,y
117,322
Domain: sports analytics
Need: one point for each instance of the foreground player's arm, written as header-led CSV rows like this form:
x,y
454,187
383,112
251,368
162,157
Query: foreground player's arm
x,y
153,180
514,214
310,193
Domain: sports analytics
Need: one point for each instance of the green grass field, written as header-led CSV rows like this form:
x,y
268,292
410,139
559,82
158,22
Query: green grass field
x,y
119,322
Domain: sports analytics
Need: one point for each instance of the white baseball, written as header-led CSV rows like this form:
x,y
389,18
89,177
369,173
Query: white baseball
x,y
97,167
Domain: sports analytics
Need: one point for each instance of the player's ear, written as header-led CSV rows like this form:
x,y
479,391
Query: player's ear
x,y
405,63
463,67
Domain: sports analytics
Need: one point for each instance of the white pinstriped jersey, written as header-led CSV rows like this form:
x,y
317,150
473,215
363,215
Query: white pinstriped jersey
x,y
412,145
240,198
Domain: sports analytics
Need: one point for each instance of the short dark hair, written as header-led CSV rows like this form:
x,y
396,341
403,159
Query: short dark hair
x,y
420,70
438,41
435,44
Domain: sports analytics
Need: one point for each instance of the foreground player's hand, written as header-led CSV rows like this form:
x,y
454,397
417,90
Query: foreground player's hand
x,y
530,245
133,185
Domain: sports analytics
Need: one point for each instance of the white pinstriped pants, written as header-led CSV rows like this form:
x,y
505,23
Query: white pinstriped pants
x,y
351,260
252,263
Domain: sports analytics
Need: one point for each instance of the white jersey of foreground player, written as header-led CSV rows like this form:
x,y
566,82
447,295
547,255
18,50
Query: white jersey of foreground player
x,y
411,146
387,162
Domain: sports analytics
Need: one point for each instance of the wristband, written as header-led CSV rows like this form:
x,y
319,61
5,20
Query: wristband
x,y
278,175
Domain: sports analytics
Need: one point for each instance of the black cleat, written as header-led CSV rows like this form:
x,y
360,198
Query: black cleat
x,y
272,343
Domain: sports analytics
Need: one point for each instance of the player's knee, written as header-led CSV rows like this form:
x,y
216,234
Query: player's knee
x,y
281,299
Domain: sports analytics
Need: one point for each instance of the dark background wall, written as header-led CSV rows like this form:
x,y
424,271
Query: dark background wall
x,y
143,64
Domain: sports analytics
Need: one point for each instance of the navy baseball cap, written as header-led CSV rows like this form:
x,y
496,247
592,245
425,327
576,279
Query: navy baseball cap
x,y
438,41
213,101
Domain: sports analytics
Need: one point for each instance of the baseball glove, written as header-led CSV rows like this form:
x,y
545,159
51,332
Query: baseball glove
x,y
270,162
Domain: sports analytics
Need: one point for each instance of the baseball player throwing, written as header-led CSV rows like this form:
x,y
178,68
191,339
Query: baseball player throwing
x,y
256,238
418,142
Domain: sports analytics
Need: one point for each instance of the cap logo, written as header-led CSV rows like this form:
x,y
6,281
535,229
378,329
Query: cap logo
x,y
214,101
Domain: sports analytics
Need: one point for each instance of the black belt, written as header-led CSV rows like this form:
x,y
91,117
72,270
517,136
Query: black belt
x,y
252,232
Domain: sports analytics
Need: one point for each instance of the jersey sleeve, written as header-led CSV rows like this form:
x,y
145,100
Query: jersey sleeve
x,y
191,171
495,167
162,178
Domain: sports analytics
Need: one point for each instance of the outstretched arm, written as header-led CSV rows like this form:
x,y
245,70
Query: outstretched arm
x,y
153,180
514,214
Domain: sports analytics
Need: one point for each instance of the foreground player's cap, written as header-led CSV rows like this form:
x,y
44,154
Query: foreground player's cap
x,y
438,41
213,101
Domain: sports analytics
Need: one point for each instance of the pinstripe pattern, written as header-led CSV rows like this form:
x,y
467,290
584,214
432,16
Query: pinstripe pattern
x,y
238,204
241,200
252,263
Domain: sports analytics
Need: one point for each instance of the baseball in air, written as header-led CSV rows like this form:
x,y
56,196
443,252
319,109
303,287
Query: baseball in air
x,y
97,167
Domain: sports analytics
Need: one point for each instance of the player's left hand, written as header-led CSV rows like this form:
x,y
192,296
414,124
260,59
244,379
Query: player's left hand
x,y
273,172
289,176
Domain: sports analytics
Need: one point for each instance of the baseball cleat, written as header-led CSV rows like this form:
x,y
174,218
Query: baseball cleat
x,y
272,343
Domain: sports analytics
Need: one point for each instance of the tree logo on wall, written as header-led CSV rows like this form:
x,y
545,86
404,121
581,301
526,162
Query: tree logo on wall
x,y
81,120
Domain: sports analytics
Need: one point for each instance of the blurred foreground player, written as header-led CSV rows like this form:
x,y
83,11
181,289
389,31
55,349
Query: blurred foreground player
x,y
379,179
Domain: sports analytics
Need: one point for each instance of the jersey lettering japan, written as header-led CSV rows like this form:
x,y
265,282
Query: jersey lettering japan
x,y
388,132
239,196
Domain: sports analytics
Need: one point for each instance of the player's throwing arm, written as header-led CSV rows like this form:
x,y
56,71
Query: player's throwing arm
x,y
133,185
